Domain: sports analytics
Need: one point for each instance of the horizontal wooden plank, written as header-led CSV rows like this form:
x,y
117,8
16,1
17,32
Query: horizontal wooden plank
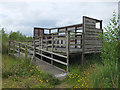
x,y
90,23
52,53
93,46
90,26
11,49
16,46
92,33
46,40
58,61
79,28
59,44
73,38
56,45
59,51
30,51
89,20
93,49
16,50
37,40
22,48
87,52
62,35
93,41
91,36
22,43
75,44
22,53
73,32
59,32
30,46
79,34
60,38
93,30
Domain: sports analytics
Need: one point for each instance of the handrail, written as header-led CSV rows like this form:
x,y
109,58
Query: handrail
x,y
53,41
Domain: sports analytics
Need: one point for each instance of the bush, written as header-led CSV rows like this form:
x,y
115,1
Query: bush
x,y
106,75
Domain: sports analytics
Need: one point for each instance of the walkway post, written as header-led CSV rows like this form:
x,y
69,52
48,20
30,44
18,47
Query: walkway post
x,y
68,48
83,40
41,46
52,48
34,54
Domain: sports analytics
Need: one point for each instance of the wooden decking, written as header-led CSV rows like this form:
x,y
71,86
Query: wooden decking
x,y
46,67
75,39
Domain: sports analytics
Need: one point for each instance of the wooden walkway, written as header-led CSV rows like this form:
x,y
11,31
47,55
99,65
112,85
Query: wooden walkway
x,y
58,46
47,68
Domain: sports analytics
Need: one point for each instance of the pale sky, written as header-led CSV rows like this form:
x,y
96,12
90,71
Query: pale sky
x,y
24,16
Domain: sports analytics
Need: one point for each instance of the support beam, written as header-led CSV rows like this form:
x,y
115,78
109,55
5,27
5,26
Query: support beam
x,y
67,48
75,36
83,40
34,52
52,48
41,46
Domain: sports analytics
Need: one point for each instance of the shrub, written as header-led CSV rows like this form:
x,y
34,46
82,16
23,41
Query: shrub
x,y
106,75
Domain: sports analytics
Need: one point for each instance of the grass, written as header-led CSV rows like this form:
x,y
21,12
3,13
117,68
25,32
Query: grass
x,y
17,73
93,74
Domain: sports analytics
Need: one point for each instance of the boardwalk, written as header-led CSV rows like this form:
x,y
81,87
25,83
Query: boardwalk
x,y
56,47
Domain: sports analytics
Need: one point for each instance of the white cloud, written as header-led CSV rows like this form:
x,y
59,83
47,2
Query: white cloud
x,y
23,16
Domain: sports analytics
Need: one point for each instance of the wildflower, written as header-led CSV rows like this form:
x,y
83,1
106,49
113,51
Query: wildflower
x,y
36,66
78,80
82,84
31,70
41,81
46,80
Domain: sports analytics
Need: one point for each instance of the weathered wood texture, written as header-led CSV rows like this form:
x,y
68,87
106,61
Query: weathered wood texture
x,y
92,38
61,42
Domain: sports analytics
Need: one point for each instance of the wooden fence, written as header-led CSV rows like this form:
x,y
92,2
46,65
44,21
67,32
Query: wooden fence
x,y
43,45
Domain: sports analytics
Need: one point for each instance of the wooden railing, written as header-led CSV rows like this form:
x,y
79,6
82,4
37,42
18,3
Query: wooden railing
x,y
47,44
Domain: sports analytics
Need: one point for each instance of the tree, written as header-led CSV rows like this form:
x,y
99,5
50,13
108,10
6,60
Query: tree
x,y
4,40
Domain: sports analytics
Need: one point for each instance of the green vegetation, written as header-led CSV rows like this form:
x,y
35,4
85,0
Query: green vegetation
x,y
12,36
16,73
99,70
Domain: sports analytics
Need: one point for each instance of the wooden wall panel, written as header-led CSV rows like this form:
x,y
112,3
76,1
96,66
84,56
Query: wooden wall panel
x,y
38,31
92,41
